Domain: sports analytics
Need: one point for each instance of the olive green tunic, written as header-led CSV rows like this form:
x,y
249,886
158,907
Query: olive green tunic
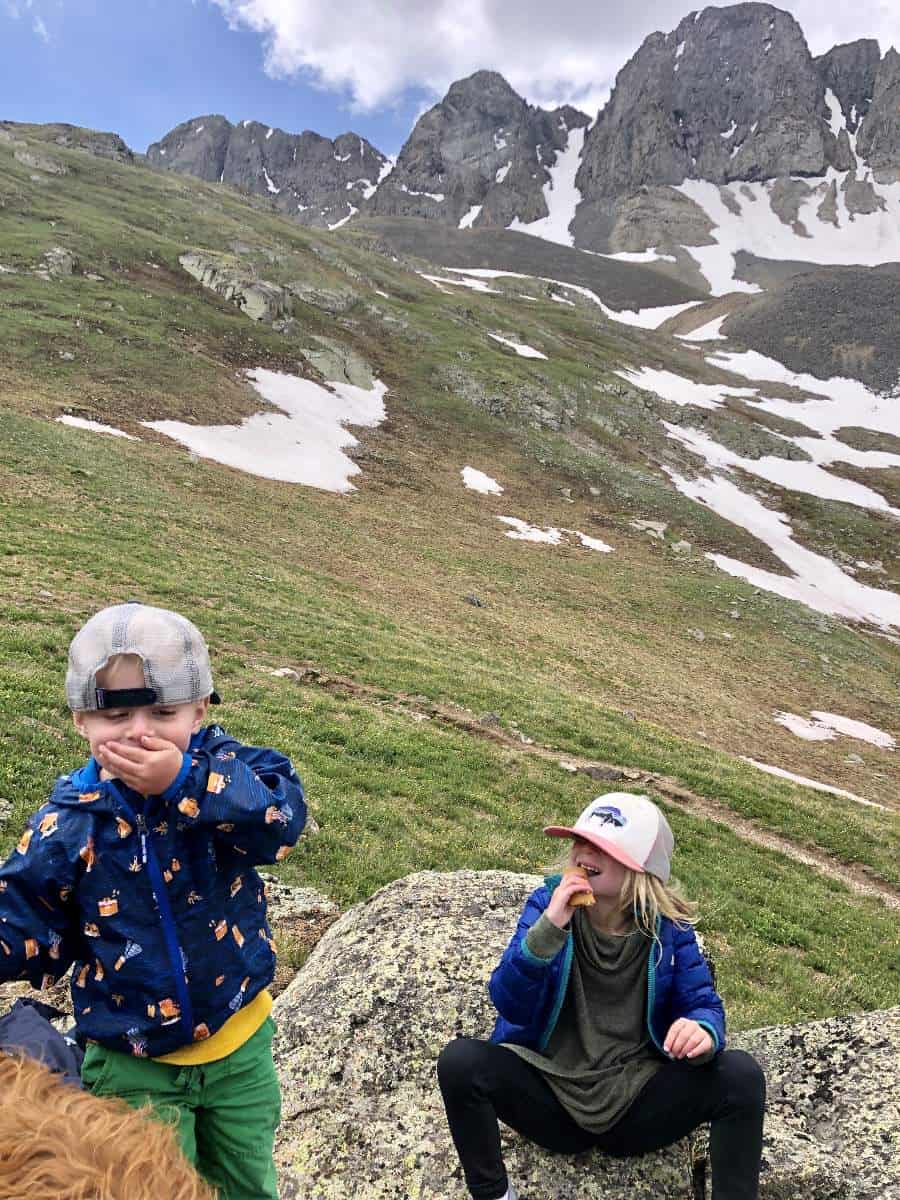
x,y
600,1054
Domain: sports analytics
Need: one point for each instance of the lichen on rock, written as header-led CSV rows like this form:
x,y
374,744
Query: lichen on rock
x,y
401,974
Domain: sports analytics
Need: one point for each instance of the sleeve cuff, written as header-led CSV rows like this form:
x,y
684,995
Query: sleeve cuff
x,y
544,940
175,786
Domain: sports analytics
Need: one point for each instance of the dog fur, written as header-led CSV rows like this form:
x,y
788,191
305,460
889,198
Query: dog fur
x,y
58,1142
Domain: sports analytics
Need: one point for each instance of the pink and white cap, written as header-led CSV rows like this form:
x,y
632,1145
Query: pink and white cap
x,y
629,828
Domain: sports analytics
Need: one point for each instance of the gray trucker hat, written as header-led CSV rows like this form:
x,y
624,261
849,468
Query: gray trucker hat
x,y
172,649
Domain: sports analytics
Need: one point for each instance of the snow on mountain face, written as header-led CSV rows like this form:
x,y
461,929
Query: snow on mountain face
x,y
824,228
487,153
310,178
561,196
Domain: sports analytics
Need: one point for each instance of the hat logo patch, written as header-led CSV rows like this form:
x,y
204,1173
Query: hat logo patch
x,y
608,814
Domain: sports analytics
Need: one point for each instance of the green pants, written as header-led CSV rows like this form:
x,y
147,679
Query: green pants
x,y
225,1112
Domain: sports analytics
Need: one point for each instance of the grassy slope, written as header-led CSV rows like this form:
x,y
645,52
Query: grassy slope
x,y
373,584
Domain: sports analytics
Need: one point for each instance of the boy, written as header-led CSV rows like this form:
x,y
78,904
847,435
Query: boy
x,y
140,872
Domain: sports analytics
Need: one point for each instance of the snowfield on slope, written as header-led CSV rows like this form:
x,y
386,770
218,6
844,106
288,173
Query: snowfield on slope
x,y
304,443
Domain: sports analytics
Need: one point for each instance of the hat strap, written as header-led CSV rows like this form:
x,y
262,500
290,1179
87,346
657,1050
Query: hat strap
x,y
125,697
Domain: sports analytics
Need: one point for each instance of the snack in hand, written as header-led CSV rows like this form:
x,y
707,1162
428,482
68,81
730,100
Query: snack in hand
x,y
579,899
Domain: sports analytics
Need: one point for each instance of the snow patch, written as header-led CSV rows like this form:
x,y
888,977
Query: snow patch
x,y
825,727
859,239
96,427
475,284
640,256
304,443
835,402
269,184
561,196
343,221
795,476
811,783
710,332
647,318
467,221
729,132
522,531
835,112
502,173
477,481
438,196
520,348
815,581
269,134
679,390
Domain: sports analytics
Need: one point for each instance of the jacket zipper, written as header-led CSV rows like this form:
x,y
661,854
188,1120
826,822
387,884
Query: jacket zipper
x,y
170,935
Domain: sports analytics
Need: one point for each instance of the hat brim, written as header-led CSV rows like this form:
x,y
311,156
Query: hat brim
x,y
601,843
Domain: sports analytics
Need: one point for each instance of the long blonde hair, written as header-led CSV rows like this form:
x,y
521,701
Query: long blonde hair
x,y
644,897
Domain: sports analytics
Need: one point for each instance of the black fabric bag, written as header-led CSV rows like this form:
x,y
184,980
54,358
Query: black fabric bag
x,y
26,1028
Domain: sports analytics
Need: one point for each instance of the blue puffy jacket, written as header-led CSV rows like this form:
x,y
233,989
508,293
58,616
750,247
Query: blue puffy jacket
x,y
528,991
155,902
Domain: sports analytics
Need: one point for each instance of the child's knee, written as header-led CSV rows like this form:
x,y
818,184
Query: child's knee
x,y
457,1063
745,1079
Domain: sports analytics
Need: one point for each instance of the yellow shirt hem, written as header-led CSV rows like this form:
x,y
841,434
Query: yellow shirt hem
x,y
234,1033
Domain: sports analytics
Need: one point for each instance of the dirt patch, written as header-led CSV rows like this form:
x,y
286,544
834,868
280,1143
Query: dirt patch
x,y
856,877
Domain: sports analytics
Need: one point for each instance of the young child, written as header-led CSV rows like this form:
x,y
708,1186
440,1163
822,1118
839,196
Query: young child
x,y
139,873
610,1032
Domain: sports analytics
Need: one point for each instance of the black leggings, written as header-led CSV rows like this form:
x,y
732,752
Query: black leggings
x,y
482,1082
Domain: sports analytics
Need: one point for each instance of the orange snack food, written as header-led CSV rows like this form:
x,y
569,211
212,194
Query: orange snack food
x,y
579,899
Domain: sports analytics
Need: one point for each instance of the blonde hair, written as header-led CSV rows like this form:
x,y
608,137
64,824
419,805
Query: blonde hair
x,y
644,897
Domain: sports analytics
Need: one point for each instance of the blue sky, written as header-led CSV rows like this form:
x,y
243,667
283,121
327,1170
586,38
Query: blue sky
x,y
140,67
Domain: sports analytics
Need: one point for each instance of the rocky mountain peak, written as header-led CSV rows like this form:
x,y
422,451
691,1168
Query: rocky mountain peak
x,y
879,136
312,178
732,93
479,157
849,71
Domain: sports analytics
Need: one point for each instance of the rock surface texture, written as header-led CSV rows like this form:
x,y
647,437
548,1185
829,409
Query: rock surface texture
x,y
398,976
311,178
850,71
879,137
480,157
256,298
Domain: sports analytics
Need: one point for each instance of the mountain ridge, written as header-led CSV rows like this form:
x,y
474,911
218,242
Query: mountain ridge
x,y
730,95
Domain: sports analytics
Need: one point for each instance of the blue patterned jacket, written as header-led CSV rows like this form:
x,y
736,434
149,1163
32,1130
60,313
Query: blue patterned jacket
x,y
528,991
156,902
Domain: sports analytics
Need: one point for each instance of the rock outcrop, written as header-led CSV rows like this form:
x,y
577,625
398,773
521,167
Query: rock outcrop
x,y
398,976
732,93
74,137
311,178
480,157
879,138
849,71
256,298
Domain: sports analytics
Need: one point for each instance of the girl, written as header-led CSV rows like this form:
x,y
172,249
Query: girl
x,y
610,1033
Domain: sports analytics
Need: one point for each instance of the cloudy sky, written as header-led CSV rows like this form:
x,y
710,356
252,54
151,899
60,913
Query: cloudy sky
x,y
139,67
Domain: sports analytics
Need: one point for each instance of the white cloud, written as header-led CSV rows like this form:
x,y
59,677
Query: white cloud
x,y
41,29
550,53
